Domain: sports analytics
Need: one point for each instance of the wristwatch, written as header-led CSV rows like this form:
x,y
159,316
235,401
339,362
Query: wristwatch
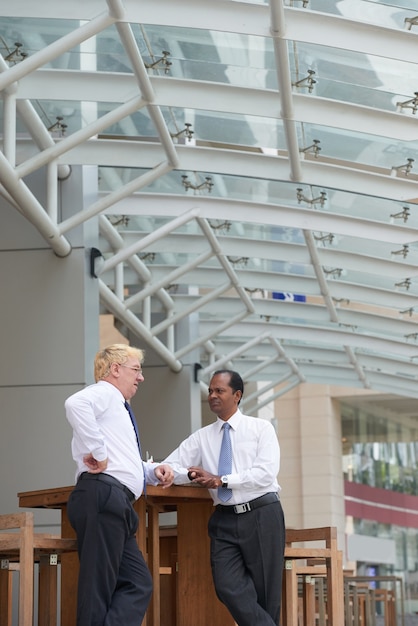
x,y
224,482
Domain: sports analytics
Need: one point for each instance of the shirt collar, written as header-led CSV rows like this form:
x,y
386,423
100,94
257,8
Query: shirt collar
x,y
115,389
233,420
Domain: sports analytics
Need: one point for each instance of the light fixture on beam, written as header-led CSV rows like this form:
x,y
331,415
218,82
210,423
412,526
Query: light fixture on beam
x,y
403,251
405,284
17,54
312,149
411,21
186,131
123,220
334,273
404,214
319,200
224,226
242,260
352,327
148,256
196,369
253,291
206,184
412,103
325,238
405,168
308,81
161,62
96,262
58,126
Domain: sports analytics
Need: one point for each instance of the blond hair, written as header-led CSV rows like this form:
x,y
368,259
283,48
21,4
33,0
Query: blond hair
x,y
116,353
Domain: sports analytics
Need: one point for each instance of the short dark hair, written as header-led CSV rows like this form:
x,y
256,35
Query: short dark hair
x,y
235,381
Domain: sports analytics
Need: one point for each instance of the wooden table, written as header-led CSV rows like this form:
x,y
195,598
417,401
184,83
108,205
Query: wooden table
x,y
196,603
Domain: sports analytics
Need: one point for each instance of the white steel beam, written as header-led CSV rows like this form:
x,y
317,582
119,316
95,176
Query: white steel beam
x,y
117,307
47,84
213,160
32,209
317,334
278,29
255,341
236,17
125,253
274,214
117,242
109,199
55,49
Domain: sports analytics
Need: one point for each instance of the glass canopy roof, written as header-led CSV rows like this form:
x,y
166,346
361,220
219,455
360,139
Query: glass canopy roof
x,y
256,168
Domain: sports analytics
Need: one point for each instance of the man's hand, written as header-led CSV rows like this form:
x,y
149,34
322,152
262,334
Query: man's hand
x,y
165,475
94,466
204,478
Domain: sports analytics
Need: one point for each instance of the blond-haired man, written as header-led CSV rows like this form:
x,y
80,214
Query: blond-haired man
x,y
115,584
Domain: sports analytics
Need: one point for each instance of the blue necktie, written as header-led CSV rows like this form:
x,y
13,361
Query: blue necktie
x,y
225,462
134,424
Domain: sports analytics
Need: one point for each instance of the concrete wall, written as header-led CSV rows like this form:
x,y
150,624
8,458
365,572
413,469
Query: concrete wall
x,y
309,430
48,332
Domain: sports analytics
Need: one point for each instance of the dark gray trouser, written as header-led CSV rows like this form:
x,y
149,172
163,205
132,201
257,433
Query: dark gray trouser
x,y
115,585
247,558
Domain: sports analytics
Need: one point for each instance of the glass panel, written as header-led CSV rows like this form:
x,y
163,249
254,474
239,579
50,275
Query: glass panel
x,y
351,76
381,450
275,192
208,55
228,128
383,12
34,35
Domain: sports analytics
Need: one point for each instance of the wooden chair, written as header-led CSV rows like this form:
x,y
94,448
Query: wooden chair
x,y
20,549
312,563
6,585
364,595
19,542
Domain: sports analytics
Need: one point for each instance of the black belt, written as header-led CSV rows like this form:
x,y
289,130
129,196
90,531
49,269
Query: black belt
x,y
106,478
268,498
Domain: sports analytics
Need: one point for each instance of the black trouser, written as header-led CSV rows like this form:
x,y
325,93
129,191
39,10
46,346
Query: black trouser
x,y
247,557
115,585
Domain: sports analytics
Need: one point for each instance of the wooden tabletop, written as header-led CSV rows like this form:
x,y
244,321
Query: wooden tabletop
x,y
57,497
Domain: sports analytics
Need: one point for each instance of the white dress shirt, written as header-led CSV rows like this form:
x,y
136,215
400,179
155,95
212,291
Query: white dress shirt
x,y
102,426
255,456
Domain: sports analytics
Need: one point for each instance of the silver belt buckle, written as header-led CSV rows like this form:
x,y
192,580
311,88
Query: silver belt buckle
x,y
242,508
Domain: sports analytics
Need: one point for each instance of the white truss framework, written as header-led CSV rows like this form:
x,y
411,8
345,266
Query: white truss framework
x,y
218,256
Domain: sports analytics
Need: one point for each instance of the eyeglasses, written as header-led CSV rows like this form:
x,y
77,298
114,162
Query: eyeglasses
x,y
138,370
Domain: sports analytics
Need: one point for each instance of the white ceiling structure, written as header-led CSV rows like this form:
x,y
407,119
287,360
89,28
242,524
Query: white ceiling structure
x,y
257,166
